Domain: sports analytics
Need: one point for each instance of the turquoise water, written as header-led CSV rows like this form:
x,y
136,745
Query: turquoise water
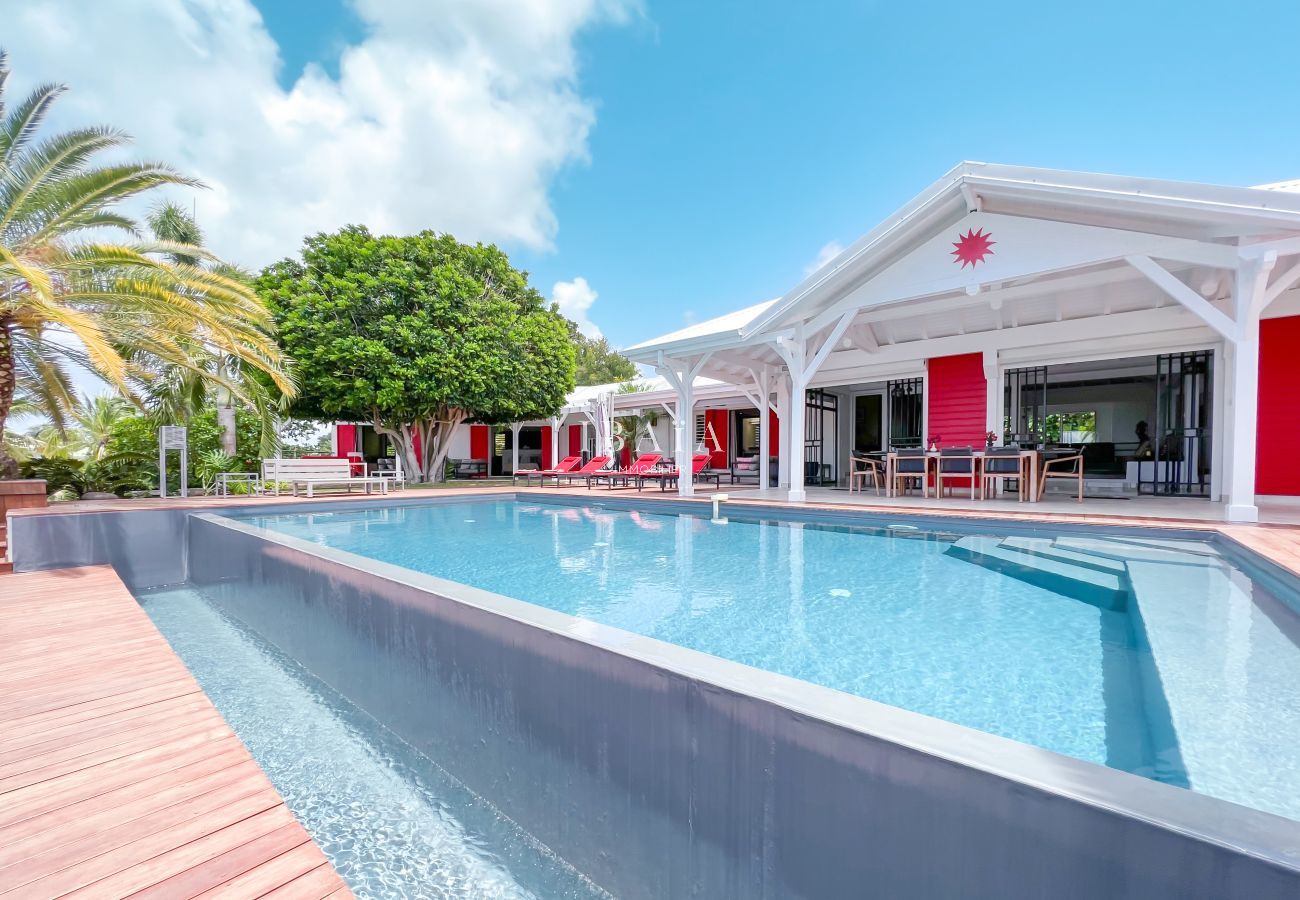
x,y
392,823
1154,656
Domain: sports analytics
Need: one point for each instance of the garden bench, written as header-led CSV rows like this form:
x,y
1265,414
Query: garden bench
x,y
314,473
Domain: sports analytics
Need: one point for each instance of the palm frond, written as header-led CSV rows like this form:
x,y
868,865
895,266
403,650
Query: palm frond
x,y
18,128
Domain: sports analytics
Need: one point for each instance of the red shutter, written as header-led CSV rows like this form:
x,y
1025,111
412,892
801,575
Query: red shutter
x,y
1277,420
575,440
957,399
774,437
716,435
546,446
415,443
345,437
478,442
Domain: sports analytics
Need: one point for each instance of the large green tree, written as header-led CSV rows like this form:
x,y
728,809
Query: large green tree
x,y
417,335
598,363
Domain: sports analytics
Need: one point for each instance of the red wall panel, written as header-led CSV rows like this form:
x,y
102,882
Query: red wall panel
x,y
715,436
956,397
346,437
575,440
774,433
546,447
478,442
1278,421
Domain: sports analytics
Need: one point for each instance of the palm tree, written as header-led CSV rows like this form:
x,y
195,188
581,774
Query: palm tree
x,y
95,418
122,310
174,395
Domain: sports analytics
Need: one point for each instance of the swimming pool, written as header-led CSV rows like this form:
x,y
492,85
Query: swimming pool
x,y
1159,656
391,821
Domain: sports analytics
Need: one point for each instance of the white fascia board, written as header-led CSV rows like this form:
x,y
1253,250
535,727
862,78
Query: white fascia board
x,y
1140,328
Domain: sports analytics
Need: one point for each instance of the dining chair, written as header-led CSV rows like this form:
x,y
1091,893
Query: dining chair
x,y
911,465
1062,467
957,462
860,469
1005,464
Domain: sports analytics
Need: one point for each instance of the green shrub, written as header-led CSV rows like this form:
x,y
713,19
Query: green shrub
x,y
60,473
137,436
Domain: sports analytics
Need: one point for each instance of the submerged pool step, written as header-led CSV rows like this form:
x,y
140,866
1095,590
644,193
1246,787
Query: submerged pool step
x,y
1047,548
1089,584
1123,550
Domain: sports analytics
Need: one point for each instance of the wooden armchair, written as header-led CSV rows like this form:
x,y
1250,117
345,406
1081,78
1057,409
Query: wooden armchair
x,y
1062,467
860,469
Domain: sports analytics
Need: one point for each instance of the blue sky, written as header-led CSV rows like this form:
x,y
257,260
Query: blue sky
x,y
734,140
682,158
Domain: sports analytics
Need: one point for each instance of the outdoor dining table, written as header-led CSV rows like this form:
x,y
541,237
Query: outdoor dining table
x,y
1028,470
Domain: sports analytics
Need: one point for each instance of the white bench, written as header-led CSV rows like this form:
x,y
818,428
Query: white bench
x,y
315,473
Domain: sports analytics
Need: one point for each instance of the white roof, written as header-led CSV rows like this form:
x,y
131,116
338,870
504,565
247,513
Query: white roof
x,y
730,322
1292,187
1179,210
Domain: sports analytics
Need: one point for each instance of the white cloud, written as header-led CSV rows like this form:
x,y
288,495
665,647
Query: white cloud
x,y
452,115
828,252
574,299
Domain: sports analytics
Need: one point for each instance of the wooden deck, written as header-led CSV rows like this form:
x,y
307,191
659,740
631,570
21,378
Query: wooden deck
x,y
118,777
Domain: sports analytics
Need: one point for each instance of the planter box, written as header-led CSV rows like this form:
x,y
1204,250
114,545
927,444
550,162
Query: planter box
x,y
21,493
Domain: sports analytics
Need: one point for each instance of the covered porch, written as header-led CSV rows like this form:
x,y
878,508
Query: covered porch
x,y
1038,308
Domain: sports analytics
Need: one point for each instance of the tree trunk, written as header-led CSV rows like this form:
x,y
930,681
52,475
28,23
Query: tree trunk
x,y
226,422
435,443
8,382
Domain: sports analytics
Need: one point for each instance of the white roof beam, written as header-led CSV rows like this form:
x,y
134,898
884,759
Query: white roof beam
x,y
1164,279
1282,283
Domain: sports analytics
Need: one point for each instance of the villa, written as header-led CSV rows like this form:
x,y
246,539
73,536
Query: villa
x,y
1046,308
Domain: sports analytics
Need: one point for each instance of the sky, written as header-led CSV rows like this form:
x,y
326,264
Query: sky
x,y
653,163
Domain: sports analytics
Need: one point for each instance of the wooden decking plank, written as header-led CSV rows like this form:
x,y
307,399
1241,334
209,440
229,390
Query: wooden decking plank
x,y
44,796
79,741
195,852
195,879
46,809
274,873
135,843
34,740
152,741
314,885
117,775
69,824
99,707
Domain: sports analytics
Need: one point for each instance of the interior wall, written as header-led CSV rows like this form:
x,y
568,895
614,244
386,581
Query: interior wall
x,y
1119,407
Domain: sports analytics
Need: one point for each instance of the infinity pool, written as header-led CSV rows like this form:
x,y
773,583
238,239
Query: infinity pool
x,y
392,822
1153,655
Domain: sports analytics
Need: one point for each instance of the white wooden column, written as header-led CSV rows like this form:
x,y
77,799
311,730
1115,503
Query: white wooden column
x,y
764,385
802,362
681,374
514,447
992,394
555,442
783,431
1248,295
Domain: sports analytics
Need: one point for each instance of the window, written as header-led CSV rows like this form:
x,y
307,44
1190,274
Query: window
x,y
1071,427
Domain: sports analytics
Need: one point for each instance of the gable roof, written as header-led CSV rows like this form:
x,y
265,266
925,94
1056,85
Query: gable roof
x,y
1209,213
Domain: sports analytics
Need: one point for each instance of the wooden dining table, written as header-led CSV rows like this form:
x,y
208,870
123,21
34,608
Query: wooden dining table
x,y
1029,463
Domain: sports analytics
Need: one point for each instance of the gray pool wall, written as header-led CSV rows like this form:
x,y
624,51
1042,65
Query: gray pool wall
x,y
662,772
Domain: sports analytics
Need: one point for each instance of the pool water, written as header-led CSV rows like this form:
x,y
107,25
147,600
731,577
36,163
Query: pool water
x,y
392,823
1152,655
